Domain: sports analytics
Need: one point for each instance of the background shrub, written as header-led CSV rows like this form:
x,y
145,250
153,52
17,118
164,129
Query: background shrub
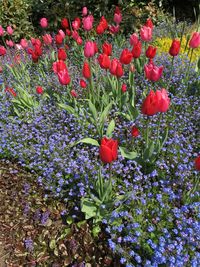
x,y
18,14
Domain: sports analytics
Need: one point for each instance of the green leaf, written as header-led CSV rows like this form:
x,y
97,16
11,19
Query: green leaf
x,y
88,207
148,152
164,137
104,114
96,230
110,128
88,140
127,154
93,110
68,108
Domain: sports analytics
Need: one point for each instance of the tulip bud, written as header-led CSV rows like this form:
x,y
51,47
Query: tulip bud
x,y
43,22
134,131
197,163
39,90
108,150
195,40
175,48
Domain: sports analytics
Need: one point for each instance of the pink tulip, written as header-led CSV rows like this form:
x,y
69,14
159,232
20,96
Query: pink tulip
x,y
9,30
1,31
43,23
61,32
117,18
195,40
88,22
146,33
152,72
84,11
134,39
64,77
114,29
73,93
90,49
24,43
47,39
9,43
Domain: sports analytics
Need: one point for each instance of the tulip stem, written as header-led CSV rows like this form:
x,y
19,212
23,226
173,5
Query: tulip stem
x,y
188,68
171,72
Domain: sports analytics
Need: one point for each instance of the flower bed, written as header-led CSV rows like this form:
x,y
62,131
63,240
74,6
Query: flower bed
x,y
112,130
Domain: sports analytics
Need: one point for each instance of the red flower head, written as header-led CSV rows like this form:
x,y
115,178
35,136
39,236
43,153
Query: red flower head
x,y
152,72
11,91
116,68
39,90
86,71
163,100
43,23
151,52
65,23
76,24
137,49
100,29
64,77
83,83
134,131
59,66
62,54
195,40
107,49
73,93
108,150
104,61
124,88
149,23
175,48
59,39
134,39
197,163
2,51
150,105
126,57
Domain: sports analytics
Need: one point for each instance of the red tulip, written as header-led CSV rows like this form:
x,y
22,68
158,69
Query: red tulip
x,y
76,24
134,131
124,88
59,66
108,150
65,23
150,105
58,39
100,29
107,49
83,83
146,33
149,23
137,49
36,42
73,93
11,91
151,52
126,57
64,77
86,71
116,68
104,61
79,41
68,32
62,54
152,72
175,48
197,163
104,23
75,35
39,90
2,51
156,102
195,40
163,100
